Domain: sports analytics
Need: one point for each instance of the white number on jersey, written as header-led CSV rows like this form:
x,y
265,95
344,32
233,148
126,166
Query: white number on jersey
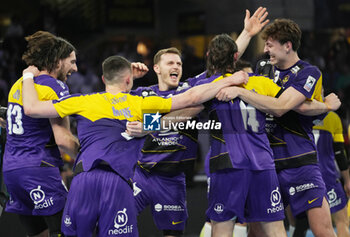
x,y
249,117
14,127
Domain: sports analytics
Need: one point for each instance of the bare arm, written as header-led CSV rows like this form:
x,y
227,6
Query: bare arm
x,y
314,107
252,26
202,93
31,104
65,140
290,99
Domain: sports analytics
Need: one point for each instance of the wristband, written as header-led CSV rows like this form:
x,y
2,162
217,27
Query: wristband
x,y
28,75
328,107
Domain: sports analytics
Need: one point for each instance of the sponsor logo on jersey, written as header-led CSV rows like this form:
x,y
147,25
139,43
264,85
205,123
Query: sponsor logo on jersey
x,y
120,224
295,69
38,197
310,82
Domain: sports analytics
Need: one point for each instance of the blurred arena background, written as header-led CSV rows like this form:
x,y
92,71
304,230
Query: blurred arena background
x,y
136,29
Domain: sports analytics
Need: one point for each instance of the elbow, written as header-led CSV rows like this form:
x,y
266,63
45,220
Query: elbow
x,y
279,113
29,110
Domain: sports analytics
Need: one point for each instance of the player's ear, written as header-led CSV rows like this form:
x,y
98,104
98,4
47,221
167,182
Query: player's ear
x,y
103,79
156,68
235,56
289,46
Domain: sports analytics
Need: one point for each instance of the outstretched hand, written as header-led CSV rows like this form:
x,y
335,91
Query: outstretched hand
x,y
254,24
139,69
332,101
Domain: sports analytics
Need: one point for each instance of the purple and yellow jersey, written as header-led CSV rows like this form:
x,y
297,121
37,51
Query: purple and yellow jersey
x,y
30,141
101,120
167,151
328,131
241,142
291,135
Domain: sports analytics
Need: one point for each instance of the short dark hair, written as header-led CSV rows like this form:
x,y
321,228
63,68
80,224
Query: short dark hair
x,y
171,50
44,50
113,67
241,64
283,30
220,57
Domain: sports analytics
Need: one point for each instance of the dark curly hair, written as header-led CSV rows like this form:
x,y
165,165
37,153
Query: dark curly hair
x,y
283,30
44,50
220,57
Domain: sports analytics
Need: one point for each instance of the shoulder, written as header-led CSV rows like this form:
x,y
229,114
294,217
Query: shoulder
x,y
144,91
60,88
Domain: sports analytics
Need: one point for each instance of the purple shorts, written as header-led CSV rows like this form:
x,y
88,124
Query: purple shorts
x,y
37,191
336,196
101,198
248,195
302,188
166,195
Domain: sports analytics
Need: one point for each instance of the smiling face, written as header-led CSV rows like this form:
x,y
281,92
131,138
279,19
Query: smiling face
x,y
278,52
66,67
169,71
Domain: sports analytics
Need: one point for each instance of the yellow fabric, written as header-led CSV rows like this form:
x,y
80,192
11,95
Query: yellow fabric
x,y
44,93
317,95
260,84
333,125
122,106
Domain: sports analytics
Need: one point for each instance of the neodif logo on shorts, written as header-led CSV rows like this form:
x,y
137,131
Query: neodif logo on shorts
x,y
153,122
120,224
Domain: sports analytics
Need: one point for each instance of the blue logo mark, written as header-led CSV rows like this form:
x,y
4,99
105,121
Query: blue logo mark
x,y
151,122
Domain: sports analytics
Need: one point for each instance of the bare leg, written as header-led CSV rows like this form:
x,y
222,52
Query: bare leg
x,y
222,229
268,229
342,222
320,220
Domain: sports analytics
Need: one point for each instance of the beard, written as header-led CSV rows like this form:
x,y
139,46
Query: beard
x,y
61,75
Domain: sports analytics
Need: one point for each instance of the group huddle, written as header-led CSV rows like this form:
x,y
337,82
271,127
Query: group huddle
x,y
262,158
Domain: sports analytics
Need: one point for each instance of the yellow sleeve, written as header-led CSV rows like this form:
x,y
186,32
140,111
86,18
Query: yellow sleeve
x,y
70,105
154,104
262,85
317,95
337,127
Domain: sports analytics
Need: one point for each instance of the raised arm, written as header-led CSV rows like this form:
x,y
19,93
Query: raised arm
x,y
31,105
202,93
252,26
